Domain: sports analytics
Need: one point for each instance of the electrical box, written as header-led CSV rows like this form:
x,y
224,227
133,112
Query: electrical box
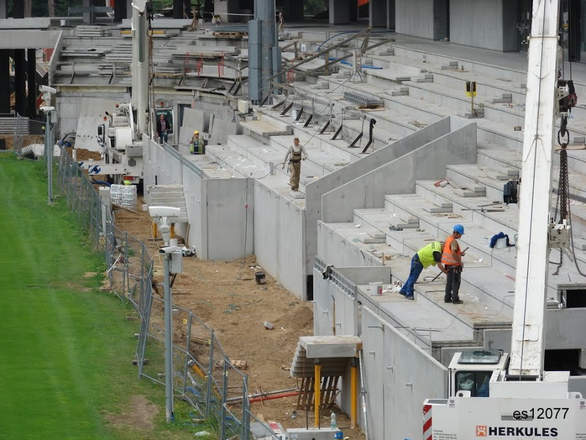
x,y
176,261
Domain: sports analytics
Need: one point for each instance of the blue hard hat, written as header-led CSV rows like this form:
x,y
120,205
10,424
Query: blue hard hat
x,y
459,229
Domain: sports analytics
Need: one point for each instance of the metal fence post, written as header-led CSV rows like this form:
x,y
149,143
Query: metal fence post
x,y
168,343
210,374
245,410
125,278
223,407
187,342
142,280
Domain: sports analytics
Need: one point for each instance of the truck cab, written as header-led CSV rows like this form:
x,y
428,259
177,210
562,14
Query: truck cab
x,y
471,371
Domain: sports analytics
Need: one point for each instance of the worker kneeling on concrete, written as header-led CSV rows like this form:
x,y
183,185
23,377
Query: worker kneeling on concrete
x,y
452,261
425,257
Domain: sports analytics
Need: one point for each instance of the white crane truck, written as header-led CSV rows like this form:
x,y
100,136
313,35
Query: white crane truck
x,y
500,396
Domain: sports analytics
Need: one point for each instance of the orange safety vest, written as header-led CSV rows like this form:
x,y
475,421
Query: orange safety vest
x,y
448,258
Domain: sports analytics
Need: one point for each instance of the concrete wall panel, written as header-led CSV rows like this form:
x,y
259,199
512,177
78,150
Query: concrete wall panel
x,y
229,218
477,23
407,374
399,176
414,17
193,192
279,231
315,189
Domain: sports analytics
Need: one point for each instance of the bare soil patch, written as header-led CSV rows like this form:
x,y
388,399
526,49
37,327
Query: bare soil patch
x,y
138,415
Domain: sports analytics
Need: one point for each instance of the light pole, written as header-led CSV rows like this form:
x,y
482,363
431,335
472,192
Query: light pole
x,y
50,120
173,264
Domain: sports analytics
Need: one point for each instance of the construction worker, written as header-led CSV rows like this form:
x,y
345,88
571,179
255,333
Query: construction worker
x,y
194,146
426,256
452,261
163,128
295,154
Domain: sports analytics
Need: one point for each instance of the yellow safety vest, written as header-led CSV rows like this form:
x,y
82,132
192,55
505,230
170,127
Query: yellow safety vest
x,y
425,254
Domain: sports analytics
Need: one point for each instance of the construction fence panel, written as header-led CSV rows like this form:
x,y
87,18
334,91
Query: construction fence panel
x,y
203,374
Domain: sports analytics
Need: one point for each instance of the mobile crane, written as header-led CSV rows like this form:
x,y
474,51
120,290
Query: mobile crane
x,y
512,396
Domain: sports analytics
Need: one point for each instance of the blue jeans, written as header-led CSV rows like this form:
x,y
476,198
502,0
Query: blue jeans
x,y
416,268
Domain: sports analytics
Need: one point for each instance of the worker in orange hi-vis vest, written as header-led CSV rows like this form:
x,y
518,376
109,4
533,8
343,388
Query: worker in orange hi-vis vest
x,y
452,261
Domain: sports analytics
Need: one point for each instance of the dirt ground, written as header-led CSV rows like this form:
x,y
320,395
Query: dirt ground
x,y
226,296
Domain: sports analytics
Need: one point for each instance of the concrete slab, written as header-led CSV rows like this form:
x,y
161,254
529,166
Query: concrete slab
x,y
324,347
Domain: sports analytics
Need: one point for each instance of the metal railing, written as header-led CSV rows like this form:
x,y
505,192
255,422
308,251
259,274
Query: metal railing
x,y
203,375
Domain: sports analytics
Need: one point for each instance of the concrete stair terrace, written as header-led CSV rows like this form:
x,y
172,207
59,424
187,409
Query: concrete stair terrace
x,y
254,155
428,101
488,279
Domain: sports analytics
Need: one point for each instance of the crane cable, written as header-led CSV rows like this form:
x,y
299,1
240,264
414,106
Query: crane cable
x,y
563,210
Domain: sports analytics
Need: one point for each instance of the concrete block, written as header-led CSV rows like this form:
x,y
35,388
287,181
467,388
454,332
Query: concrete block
x,y
477,191
453,65
506,98
403,91
427,78
444,208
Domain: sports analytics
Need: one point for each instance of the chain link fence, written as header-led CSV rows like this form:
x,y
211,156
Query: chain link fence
x,y
203,375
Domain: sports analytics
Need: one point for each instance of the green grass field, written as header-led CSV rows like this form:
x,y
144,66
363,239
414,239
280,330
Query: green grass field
x,y
66,348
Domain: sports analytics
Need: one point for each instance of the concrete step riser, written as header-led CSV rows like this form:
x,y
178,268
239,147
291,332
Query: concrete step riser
x,y
478,217
493,299
471,66
463,180
441,231
462,106
486,91
509,140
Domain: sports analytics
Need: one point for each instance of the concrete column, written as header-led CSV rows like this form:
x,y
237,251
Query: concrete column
x,y
3,9
4,79
31,75
28,8
377,13
88,13
340,11
264,10
19,82
391,14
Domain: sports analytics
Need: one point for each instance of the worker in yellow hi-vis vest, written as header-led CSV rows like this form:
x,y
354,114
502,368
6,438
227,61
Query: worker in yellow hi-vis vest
x,y
426,256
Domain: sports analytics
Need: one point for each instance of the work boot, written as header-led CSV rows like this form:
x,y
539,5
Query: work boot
x,y
457,301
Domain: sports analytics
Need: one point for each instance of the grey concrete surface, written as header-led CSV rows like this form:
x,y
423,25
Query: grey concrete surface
x,y
28,39
220,209
400,175
415,17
